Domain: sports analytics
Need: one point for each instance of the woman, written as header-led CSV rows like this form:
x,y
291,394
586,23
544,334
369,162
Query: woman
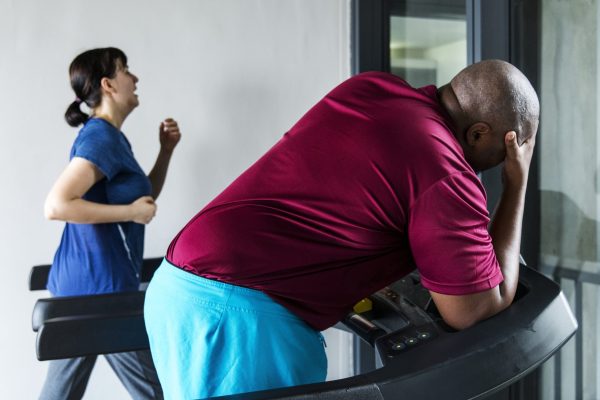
x,y
106,199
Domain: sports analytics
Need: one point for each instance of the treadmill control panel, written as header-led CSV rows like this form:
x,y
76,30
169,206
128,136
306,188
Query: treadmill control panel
x,y
411,337
402,317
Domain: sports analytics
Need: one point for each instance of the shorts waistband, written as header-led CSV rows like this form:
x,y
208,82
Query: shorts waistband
x,y
208,291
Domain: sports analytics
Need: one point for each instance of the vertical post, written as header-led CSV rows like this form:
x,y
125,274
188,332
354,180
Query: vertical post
x,y
370,33
363,356
525,48
370,36
579,340
509,30
488,34
558,357
471,18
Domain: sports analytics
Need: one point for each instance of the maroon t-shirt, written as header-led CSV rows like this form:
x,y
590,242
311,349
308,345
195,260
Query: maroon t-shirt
x,y
370,183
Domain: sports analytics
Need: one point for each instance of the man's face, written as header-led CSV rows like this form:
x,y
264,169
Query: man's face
x,y
492,152
488,154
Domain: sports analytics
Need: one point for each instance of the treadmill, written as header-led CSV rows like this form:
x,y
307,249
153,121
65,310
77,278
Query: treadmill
x,y
417,354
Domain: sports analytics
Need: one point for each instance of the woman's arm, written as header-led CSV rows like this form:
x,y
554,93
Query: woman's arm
x,y
169,136
65,203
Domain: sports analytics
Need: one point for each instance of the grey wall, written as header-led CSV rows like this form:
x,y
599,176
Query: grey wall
x,y
570,159
235,73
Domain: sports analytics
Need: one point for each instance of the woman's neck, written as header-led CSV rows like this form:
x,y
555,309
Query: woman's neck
x,y
110,115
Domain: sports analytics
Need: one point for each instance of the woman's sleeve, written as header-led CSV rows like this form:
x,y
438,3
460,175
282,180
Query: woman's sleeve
x,y
102,149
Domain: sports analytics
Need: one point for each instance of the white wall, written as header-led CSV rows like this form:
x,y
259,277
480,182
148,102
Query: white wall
x,y
235,73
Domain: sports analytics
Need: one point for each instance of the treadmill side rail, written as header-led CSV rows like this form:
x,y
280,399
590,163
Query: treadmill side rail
x,y
72,306
94,334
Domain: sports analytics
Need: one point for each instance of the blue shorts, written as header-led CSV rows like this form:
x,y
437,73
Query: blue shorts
x,y
210,338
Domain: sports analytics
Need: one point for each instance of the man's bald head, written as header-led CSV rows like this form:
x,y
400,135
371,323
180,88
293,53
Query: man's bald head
x,y
496,92
487,100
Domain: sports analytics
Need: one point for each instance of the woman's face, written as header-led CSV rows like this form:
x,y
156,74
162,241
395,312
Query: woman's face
x,y
124,83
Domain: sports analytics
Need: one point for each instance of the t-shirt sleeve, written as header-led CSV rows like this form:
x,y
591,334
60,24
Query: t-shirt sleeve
x,y
101,148
449,238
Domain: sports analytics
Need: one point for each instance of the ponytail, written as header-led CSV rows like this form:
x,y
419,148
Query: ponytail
x,y
74,115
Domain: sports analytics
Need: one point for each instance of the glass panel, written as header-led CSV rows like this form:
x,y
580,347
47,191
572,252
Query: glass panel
x,y
569,149
427,46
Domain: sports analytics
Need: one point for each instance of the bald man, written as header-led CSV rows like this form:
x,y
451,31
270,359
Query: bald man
x,y
377,179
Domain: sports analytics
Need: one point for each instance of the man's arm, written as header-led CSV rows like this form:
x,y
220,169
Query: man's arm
x,y
462,311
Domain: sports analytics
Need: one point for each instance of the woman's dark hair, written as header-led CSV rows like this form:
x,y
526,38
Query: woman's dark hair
x,y
86,72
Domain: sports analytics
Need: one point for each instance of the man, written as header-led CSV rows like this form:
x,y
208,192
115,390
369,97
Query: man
x,y
376,179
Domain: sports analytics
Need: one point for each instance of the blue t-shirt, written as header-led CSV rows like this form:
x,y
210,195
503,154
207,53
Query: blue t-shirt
x,y
103,258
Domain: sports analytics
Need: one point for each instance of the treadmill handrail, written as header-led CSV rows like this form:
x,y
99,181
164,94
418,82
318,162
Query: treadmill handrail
x,y
73,306
84,335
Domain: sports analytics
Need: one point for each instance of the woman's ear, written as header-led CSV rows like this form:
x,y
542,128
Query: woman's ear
x,y
106,85
476,132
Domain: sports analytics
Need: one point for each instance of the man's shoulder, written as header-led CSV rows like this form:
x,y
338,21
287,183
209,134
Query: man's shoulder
x,y
374,76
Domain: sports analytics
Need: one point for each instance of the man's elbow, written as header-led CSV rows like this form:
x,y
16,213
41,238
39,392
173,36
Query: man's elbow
x,y
466,317
461,322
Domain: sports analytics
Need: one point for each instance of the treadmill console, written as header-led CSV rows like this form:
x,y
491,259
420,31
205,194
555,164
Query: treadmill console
x,y
406,315
403,317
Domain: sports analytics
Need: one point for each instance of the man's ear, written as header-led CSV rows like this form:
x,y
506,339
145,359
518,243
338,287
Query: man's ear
x,y
476,132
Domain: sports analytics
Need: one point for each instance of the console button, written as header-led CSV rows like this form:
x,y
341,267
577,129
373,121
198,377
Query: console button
x,y
398,346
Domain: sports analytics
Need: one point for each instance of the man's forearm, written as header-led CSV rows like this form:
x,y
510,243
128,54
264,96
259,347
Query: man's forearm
x,y
505,230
